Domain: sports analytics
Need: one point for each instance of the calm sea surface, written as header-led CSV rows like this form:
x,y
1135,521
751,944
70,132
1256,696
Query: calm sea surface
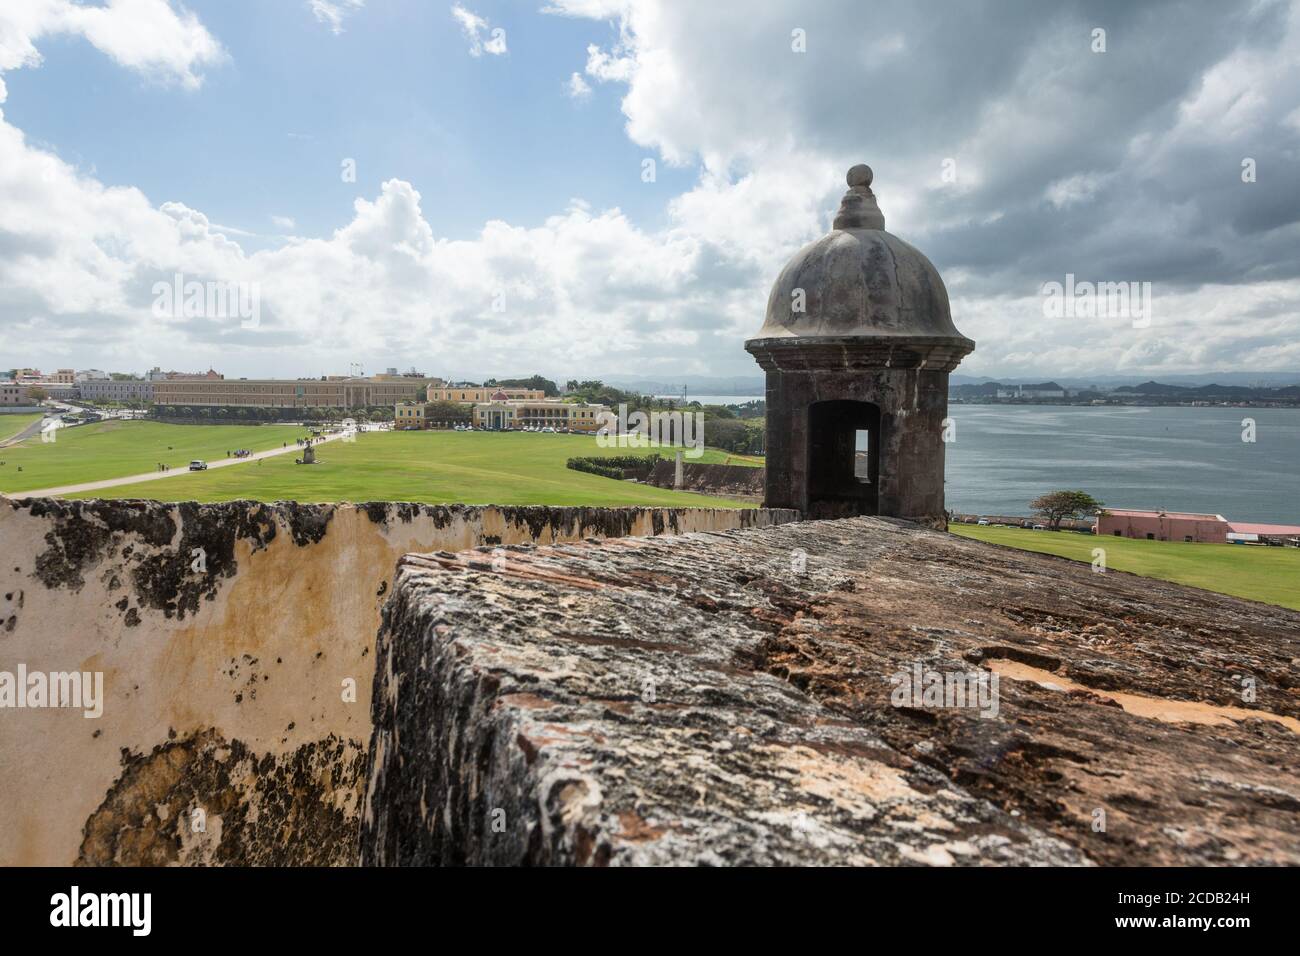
x,y
1182,459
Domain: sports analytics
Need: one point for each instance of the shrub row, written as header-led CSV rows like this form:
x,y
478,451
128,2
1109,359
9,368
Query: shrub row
x,y
616,466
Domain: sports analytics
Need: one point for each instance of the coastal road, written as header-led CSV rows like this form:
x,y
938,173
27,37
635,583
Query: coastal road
x,y
158,475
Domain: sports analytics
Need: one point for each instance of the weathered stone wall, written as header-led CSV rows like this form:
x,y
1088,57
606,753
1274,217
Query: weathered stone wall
x,y
225,634
737,480
913,404
731,699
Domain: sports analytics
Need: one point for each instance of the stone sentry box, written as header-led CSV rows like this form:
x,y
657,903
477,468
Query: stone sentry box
x,y
857,345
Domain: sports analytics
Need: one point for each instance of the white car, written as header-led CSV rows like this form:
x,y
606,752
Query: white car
x,y
198,465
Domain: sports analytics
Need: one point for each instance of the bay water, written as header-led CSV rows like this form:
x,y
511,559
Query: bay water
x,y
1172,457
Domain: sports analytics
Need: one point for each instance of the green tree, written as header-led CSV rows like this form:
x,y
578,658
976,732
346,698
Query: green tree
x,y
548,387
1056,506
737,437
447,412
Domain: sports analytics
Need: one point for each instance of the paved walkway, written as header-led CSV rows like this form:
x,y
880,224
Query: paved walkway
x,y
158,475
23,435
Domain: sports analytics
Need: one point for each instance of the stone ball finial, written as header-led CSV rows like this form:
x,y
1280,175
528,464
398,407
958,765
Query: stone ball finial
x,y
858,209
860,175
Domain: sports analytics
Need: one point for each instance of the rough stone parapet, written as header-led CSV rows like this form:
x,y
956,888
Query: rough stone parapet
x,y
726,699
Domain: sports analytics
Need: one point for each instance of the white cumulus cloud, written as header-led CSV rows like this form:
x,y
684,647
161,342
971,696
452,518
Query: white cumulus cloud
x,y
333,12
149,36
578,88
1038,193
475,28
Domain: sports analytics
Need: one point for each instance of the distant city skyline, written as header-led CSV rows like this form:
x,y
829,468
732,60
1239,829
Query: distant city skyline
x,y
737,385
488,188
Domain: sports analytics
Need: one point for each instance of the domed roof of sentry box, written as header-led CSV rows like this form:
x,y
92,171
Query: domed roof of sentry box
x,y
859,281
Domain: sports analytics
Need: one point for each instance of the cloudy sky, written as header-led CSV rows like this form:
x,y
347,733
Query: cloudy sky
x,y
609,187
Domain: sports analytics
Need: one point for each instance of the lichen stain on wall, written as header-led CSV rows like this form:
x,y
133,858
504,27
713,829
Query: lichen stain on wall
x,y
243,691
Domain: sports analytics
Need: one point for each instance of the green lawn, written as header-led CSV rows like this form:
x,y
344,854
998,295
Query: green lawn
x,y
1271,575
428,466
11,425
713,456
116,449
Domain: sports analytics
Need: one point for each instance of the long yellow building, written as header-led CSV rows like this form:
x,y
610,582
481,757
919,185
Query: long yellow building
x,y
337,392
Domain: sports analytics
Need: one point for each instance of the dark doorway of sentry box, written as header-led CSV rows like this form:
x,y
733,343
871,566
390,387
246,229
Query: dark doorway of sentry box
x,y
844,443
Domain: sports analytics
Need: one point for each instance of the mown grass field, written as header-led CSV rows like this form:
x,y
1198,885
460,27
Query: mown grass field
x,y
11,425
116,449
433,467
1271,575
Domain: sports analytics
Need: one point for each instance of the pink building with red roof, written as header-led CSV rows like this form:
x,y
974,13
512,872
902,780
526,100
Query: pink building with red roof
x,y
1187,526
1163,525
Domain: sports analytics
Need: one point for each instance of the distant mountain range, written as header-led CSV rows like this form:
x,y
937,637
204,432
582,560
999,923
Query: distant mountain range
x,y
1248,379
1223,386
1213,390
1151,391
754,384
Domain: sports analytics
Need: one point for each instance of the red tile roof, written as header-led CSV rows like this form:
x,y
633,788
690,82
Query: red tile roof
x,y
1245,527
1180,515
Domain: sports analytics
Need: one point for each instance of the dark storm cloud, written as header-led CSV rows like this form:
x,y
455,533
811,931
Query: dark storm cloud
x,y
1175,213
1015,95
